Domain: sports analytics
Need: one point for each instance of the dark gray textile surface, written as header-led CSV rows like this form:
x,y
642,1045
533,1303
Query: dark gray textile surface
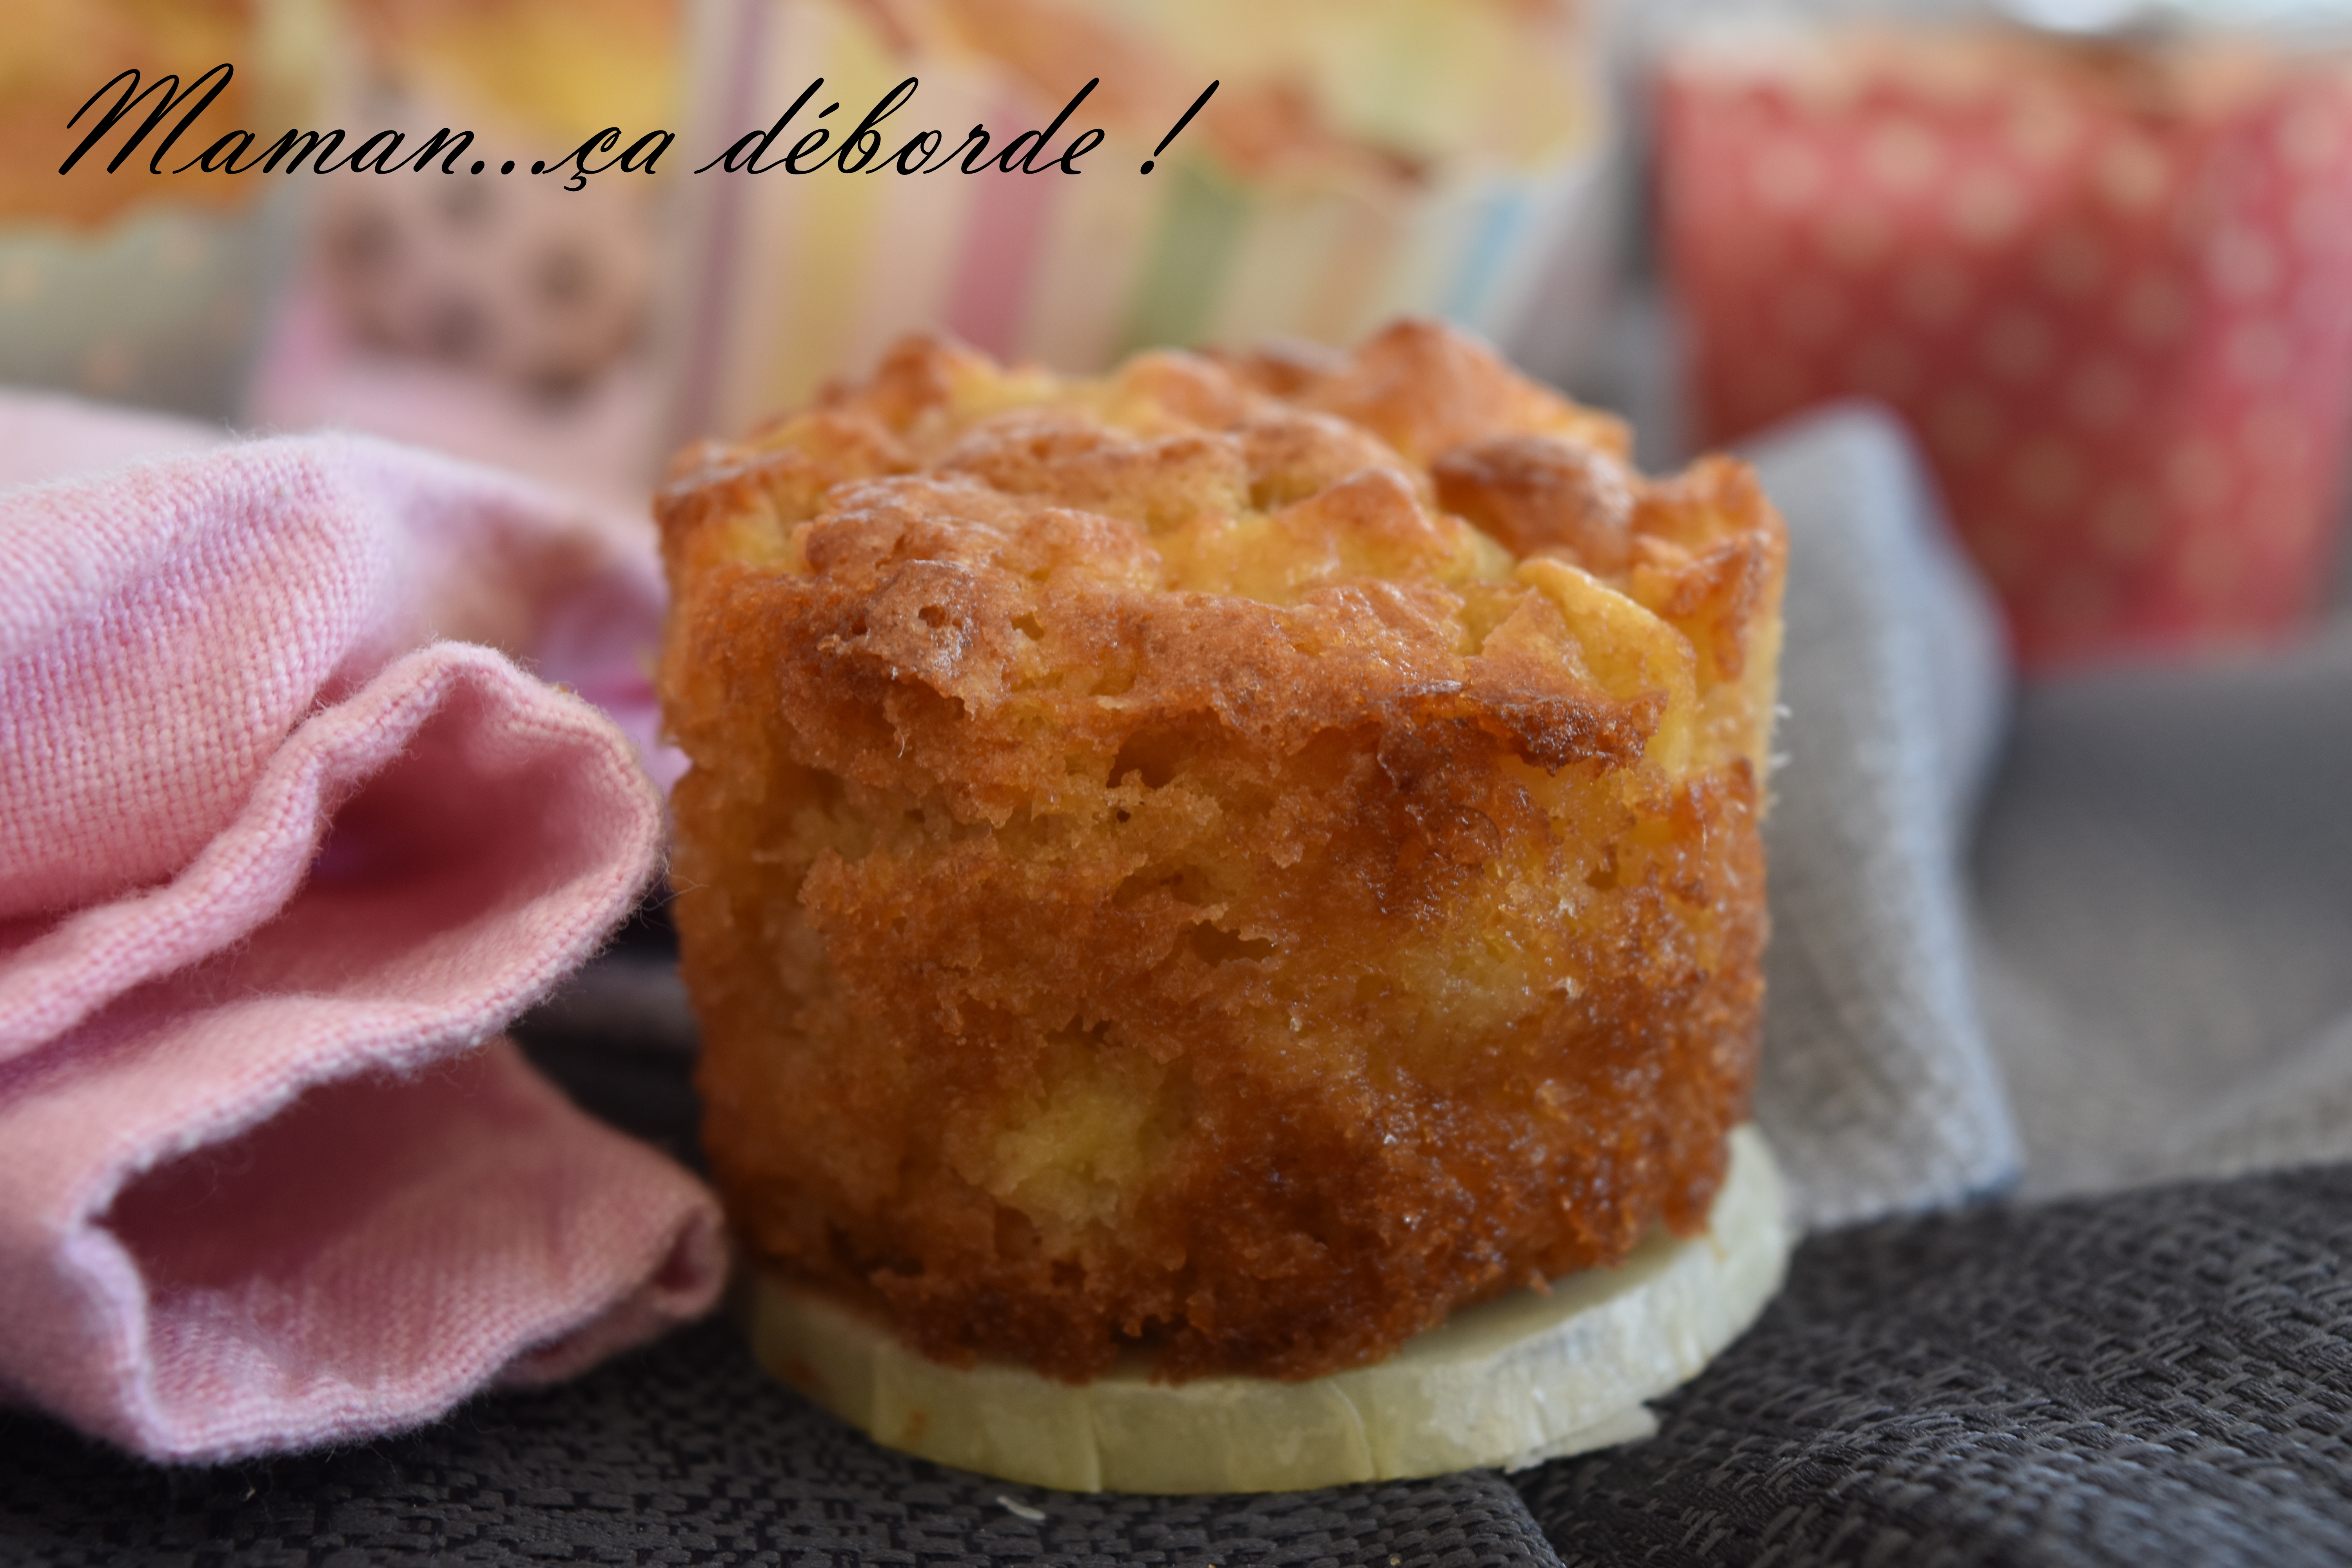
x,y
684,1453
2155,1377
2163,1375
687,1453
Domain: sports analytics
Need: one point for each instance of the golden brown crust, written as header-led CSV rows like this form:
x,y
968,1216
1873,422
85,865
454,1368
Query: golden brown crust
x,y
1536,493
1148,878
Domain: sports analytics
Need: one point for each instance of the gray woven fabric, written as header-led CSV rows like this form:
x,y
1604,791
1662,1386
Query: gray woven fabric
x,y
1878,1088
687,1453
2164,914
2160,1376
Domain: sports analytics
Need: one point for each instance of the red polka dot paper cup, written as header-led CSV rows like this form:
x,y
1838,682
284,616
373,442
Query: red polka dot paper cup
x,y
2110,288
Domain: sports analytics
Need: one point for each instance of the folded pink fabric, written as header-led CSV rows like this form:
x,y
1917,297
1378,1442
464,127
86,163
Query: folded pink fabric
x,y
278,861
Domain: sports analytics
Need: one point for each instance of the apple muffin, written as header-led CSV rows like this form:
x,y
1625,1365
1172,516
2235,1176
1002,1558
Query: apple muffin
x,y
1226,862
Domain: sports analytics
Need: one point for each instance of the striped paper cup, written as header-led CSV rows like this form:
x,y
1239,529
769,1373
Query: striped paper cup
x,y
1357,162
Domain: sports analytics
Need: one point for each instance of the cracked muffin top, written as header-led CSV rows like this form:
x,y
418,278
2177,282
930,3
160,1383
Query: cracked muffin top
x,y
1228,861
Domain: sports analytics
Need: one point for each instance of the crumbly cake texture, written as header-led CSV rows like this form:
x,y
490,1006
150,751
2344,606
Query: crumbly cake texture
x,y
1230,861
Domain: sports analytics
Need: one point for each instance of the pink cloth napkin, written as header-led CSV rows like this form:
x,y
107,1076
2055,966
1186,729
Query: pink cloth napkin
x,y
278,859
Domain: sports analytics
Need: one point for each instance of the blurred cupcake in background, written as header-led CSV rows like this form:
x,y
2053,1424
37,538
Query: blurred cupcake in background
x,y
2107,278
1356,161
131,286
489,311
532,284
